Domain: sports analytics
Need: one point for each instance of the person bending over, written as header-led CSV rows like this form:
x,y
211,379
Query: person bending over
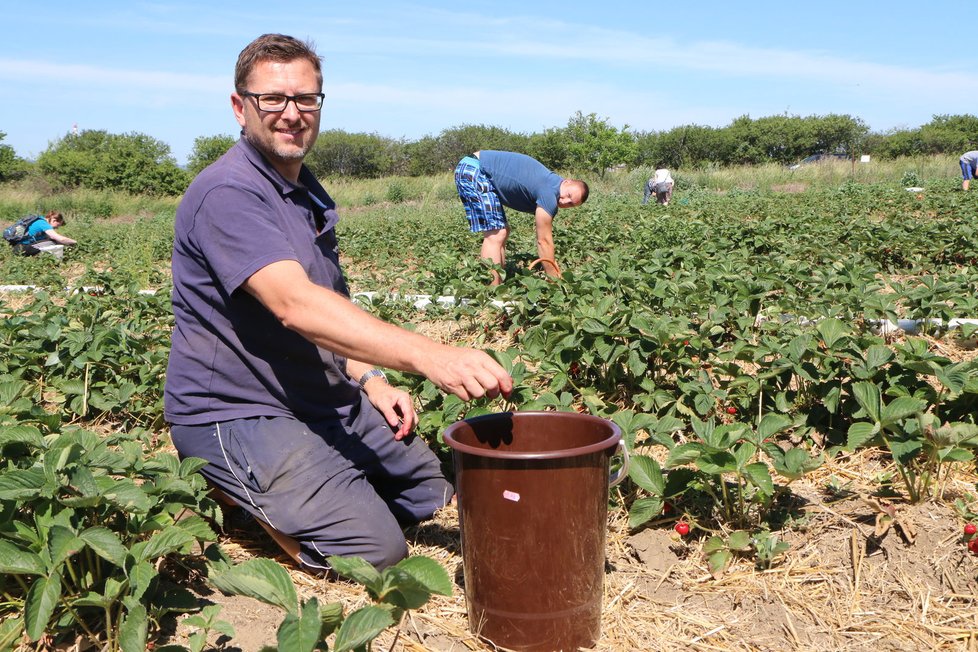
x,y
489,180
40,231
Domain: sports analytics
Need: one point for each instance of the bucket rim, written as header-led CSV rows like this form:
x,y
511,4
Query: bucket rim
x,y
610,441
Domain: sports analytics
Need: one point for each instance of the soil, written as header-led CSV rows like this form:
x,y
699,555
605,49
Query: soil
x,y
842,585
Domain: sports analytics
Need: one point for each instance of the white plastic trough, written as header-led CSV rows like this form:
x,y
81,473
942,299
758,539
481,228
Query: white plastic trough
x,y
886,326
423,301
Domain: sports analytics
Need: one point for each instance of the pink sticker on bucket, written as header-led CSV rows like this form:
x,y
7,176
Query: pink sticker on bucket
x,y
511,495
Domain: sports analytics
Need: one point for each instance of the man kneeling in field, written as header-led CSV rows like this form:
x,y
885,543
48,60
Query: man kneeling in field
x,y
271,375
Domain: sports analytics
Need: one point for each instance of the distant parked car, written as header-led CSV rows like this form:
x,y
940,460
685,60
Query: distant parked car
x,y
818,158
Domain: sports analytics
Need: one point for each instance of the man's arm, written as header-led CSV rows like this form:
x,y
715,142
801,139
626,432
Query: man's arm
x,y
333,322
60,239
545,242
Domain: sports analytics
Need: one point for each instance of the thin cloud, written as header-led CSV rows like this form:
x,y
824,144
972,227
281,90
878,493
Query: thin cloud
x,y
533,39
119,79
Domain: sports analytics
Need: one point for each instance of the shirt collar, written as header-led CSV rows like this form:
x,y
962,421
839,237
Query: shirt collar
x,y
307,180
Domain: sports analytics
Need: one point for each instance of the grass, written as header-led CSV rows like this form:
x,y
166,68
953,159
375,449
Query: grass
x,y
391,190
773,177
33,195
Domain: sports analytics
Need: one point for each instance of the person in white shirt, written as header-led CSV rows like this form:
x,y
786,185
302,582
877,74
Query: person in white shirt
x,y
659,184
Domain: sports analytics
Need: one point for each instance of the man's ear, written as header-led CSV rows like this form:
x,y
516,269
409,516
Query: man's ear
x,y
237,105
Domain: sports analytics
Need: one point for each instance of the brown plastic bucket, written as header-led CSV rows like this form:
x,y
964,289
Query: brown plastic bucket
x,y
533,507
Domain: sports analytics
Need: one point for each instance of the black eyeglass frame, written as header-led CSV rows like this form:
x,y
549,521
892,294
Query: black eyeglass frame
x,y
288,98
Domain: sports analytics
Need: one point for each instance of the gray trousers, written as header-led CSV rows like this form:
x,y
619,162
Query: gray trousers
x,y
338,489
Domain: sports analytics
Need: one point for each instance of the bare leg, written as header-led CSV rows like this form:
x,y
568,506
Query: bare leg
x,y
494,249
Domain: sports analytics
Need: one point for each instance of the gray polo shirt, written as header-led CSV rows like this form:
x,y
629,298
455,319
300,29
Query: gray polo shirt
x,y
230,357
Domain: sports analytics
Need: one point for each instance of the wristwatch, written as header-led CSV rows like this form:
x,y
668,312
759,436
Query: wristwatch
x,y
373,373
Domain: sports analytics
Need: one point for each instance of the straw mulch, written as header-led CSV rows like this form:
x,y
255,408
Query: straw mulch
x,y
839,587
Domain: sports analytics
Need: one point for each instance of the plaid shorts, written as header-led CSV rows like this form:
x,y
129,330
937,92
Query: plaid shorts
x,y
482,205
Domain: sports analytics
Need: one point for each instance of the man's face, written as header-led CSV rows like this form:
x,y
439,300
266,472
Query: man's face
x,y
287,136
570,196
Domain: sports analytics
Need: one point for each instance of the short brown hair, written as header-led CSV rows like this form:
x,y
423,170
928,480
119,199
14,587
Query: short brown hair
x,y
55,215
585,190
274,47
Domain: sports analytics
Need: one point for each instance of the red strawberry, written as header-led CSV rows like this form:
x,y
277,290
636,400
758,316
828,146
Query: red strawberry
x,y
970,529
682,528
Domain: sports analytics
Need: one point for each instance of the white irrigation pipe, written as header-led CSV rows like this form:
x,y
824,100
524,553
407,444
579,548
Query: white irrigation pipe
x,y
886,326
420,301
423,301
912,326
69,290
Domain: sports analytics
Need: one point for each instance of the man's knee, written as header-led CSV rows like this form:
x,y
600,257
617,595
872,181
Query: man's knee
x,y
387,552
496,236
381,547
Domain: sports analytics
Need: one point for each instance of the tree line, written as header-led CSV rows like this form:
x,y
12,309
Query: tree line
x,y
139,164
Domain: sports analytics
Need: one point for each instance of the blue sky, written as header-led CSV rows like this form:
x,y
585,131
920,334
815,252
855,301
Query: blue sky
x,y
408,69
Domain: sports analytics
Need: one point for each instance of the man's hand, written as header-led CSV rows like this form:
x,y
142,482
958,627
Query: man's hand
x,y
395,404
467,373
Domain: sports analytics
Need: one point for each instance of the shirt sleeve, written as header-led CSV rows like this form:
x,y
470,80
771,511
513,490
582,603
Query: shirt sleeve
x,y
235,230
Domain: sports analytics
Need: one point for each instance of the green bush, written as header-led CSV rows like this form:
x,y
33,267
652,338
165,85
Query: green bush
x,y
99,160
11,166
208,149
361,156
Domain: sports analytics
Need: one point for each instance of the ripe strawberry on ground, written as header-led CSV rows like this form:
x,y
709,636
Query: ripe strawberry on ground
x,y
973,546
682,528
970,529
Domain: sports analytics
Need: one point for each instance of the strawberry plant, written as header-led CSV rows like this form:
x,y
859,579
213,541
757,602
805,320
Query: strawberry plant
x,y
85,521
768,549
733,465
720,551
407,585
203,623
96,357
725,475
921,445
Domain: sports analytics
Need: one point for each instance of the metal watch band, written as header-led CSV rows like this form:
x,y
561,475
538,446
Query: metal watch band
x,y
373,373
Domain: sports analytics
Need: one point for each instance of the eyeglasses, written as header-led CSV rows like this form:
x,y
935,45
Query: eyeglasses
x,y
276,103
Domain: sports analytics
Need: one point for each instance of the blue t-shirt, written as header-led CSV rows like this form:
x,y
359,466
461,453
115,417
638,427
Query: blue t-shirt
x,y
35,232
521,181
231,357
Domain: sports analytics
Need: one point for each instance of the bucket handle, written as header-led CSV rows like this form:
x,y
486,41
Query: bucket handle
x,y
622,471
